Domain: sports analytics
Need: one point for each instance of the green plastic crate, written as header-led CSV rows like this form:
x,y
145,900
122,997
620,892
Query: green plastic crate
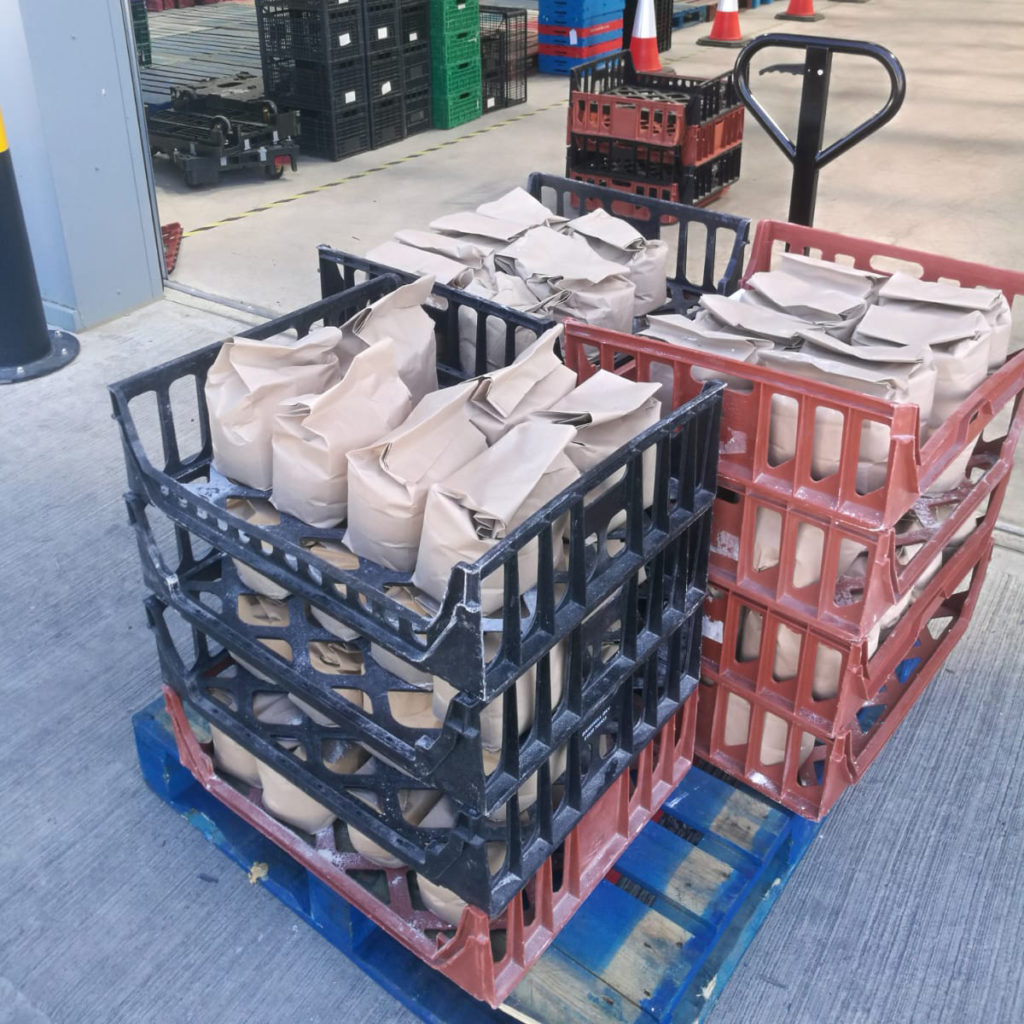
x,y
456,109
448,16
455,48
456,79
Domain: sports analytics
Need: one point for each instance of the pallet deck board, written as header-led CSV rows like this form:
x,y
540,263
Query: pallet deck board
x,y
654,943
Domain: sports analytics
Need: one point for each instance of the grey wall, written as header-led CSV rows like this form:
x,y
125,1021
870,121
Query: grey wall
x,y
68,99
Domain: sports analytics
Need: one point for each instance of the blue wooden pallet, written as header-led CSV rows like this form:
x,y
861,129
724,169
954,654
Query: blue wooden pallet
x,y
655,942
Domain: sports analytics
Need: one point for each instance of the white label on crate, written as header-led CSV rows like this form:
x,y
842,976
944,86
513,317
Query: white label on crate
x,y
223,161
713,630
350,97
573,38
382,32
413,36
385,89
344,39
245,144
490,102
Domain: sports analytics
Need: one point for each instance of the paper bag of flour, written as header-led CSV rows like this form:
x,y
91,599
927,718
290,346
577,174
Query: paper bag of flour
x,y
492,716
519,207
535,381
477,226
699,337
462,250
733,316
959,343
421,261
645,260
400,317
260,513
229,755
340,557
483,502
826,308
902,290
862,284
314,434
608,411
415,602
343,662
388,481
247,381
508,291
808,549
549,261
413,804
897,375
284,800
774,734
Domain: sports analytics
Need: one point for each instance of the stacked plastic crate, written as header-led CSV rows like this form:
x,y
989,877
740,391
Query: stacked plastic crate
x,y
140,31
663,136
349,68
571,32
502,56
835,595
584,680
455,61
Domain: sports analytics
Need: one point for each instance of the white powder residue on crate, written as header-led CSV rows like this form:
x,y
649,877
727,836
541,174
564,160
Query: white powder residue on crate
x,y
726,544
713,629
734,443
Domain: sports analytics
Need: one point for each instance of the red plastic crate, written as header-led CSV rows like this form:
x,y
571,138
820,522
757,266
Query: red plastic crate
x,y
705,141
806,673
580,52
566,33
674,193
810,782
485,957
847,579
744,457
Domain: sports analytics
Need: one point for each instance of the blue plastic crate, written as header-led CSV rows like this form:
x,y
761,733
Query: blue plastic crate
x,y
579,13
584,41
707,873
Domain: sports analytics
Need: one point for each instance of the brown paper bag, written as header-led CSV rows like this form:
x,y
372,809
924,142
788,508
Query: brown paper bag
x,y
414,805
389,481
645,260
232,757
477,226
733,316
608,411
416,602
400,317
862,284
286,801
421,261
901,290
519,207
259,513
808,549
509,291
244,386
492,716
829,309
256,610
897,375
700,337
773,736
314,434
507,397
462,250
959,344
340,557
332,659
484,501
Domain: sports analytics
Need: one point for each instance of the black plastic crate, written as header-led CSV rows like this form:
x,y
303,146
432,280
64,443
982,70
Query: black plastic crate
x,y
384,73
416,66
607,737
712,176
449,645
381,25
414,22
321,31
324,87
387,119
600,155
705,98
503,56
336,134
417,111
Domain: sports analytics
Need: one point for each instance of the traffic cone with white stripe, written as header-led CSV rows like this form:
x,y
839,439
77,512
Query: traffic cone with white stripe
x,y
725,31
643,45
800,10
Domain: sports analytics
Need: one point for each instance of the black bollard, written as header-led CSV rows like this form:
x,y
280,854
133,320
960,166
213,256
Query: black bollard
x,y
27,347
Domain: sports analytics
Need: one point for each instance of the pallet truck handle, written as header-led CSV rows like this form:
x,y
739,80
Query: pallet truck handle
x,y
806,154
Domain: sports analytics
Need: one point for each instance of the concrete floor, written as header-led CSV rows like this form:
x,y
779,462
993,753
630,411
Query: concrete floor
x,y
907,908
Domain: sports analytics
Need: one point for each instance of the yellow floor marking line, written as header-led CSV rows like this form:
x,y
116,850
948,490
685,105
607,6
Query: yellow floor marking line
x,y
373,170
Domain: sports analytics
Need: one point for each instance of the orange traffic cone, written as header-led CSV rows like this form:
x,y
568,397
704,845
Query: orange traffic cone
x,y
800,10
726,28
643,45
